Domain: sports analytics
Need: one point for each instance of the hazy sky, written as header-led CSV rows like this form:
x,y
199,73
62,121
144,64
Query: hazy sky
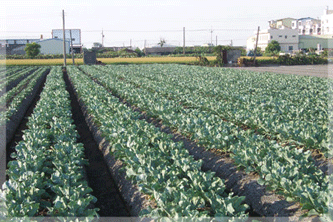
x,y
128,22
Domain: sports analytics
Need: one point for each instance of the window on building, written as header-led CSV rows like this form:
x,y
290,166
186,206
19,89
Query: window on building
x,y
299,23
285,37
294,36
291,48
271,37
280,36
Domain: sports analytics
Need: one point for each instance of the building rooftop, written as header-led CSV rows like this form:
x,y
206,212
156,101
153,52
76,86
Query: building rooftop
x,y
307,18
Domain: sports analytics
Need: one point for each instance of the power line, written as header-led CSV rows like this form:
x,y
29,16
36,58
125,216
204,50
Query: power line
x,y
137,31
179,30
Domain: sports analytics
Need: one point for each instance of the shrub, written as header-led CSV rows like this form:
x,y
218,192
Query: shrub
x,y
301,60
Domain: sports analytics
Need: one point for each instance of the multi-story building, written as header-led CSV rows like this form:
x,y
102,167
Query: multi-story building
x,y
327,22
286,37
295,34
281,23
307,26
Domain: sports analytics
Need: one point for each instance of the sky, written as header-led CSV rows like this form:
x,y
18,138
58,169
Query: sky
x,y
138,23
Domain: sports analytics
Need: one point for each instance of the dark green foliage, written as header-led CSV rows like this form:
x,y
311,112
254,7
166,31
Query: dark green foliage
x,y
273,47
139,52
258,53
203,61
162,42
286,60
32,49
218,51
301,60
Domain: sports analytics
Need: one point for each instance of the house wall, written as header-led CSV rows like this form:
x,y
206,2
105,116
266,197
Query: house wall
x,y
233,55
53,46
307,26
306,42
277,24
159,50
287,38
327,22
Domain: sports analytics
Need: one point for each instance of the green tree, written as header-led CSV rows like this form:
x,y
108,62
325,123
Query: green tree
x,y
139,52
32,49
162,42
218,51
273,47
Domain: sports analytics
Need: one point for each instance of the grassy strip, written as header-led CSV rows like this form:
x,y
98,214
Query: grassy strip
x,y
141,60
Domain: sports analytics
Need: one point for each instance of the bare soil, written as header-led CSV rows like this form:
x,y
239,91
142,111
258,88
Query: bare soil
x,y
109,200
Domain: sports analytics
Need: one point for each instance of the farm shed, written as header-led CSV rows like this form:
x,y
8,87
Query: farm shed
x,y
53,46
307,41
14,46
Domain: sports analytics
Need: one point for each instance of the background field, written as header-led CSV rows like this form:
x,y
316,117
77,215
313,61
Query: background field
x,y
104,60
304,70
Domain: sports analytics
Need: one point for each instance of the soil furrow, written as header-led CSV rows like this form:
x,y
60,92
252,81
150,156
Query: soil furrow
x,y
109,200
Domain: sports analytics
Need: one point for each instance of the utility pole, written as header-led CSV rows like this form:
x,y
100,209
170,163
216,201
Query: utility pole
x,y
63,35
211,36
102,39
130,43
70,35
184,40
144,48
255,50
231,42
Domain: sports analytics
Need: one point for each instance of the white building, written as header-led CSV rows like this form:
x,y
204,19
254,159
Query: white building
x,y
53,46
286,37
327,22
307,26
281,23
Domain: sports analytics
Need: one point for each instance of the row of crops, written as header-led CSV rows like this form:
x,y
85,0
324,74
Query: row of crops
x,y
287,108
160,167
197,103
11,100
47,176
269,124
